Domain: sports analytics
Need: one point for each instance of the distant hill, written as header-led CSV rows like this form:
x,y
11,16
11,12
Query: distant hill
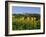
x,y
26,14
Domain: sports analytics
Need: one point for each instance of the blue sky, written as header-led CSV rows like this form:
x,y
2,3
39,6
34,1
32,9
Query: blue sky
x,y
22,10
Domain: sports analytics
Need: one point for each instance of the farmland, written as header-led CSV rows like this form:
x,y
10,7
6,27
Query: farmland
x,y
25,21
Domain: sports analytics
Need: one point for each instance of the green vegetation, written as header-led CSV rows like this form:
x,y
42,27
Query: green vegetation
x,y
25,21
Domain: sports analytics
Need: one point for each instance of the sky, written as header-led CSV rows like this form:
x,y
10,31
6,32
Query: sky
x,y
22,10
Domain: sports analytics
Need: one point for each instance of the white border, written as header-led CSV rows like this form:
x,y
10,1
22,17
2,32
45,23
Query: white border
x,y
24,31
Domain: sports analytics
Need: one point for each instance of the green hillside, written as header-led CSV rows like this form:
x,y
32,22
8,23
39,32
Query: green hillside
x,y
25,21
